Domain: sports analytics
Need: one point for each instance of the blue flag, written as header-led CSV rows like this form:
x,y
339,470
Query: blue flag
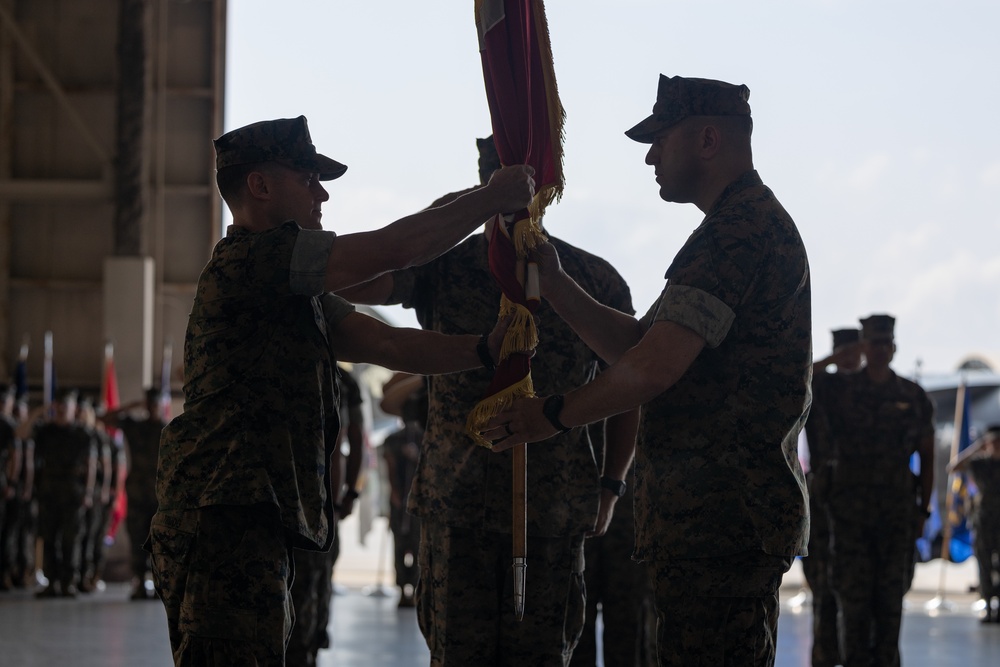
x,y
21,378
962,491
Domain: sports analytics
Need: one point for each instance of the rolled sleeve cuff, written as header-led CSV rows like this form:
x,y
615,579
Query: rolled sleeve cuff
x,y
697,310
307,274
335,309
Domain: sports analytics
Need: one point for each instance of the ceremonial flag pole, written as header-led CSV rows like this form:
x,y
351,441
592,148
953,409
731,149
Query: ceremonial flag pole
x,y
959,440
527,120
48,374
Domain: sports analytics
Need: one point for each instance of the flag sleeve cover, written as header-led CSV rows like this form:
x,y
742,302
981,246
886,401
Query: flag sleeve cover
x,y
527,120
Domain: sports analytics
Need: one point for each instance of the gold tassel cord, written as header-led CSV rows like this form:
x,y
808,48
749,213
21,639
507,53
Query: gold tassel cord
x,y
490,407
522,335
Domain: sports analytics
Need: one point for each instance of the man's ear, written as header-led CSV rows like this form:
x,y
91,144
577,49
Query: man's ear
x,y
711,141
257,185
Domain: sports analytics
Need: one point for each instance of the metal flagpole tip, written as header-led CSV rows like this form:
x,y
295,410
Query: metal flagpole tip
x,y
519,565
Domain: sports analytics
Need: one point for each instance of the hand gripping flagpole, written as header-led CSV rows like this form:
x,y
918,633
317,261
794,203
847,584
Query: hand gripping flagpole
x,y
527,129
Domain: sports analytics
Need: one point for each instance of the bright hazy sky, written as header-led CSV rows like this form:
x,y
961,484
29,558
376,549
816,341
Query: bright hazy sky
x,y
875,123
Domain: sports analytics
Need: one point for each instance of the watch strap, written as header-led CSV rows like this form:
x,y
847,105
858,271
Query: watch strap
x,y
551,408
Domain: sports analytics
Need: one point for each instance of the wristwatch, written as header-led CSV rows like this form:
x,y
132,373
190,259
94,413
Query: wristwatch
x,y
616,486
551,408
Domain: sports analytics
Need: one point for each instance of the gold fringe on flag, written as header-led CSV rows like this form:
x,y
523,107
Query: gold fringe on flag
x,y
487,409
522,335
527,235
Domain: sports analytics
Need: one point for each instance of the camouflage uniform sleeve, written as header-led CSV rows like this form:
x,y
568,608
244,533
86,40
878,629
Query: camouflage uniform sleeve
x,y
307,272
403,286
335,309
697,310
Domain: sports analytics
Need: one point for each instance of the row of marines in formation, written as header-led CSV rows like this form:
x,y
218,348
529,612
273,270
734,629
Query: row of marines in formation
x,y
64,473
870,445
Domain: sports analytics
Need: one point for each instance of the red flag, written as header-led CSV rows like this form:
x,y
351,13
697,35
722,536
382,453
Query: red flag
x,y
527,129
111,401
109,391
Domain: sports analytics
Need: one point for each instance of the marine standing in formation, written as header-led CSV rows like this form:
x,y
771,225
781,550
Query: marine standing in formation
x,y
17,535
876,421
721,365
404,396
462,492
846,358
142,440
982,460
66,472
313,584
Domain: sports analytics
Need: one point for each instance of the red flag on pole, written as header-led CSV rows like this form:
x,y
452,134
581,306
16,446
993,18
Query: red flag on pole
x,y
111,401
527,129
109,391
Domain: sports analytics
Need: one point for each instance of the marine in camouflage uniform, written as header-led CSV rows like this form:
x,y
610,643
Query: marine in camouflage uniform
x,y
982,461
142,442
313,586
986,524
22,512
462,492
244,471
621,587
97,516
401,451
877,421
10,468
721,364
816,566
66,470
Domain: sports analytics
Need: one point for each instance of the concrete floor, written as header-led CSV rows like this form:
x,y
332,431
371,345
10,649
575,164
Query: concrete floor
x,y
106,629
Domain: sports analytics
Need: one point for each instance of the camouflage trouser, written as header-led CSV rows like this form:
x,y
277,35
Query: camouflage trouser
x,y
621,586
406,541
10,567
311,593
223,574
870,573
92,547
816,568
137,520
60,523
987,551
465,601
718,611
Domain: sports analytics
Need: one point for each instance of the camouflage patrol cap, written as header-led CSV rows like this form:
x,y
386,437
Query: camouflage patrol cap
x,y
843,337
878,327
679,97
285,140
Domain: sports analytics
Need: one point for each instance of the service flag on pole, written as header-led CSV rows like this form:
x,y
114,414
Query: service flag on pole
x,y
527,129
960,489
527,120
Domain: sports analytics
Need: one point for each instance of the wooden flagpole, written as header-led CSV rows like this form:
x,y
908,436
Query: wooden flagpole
x,y
939,602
